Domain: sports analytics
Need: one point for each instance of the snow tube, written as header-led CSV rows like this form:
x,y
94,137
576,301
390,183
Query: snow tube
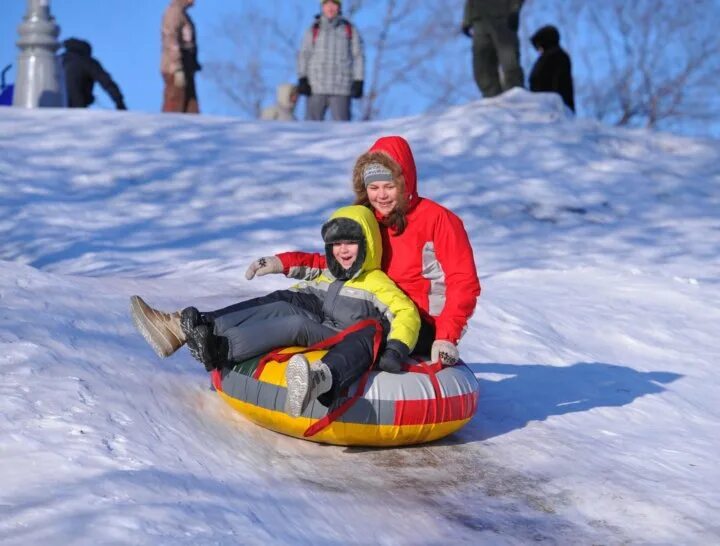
x,y
422,404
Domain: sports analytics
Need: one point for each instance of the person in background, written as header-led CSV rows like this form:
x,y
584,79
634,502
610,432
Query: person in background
x,y
284,108
179,61
553,70
331,64
493,26
81,73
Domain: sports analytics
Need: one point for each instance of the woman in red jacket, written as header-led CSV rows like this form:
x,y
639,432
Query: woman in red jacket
x,y
426,250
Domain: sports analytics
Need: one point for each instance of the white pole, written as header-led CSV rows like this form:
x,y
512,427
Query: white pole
x,y
39,80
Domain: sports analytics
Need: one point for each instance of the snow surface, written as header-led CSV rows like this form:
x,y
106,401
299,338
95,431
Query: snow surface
x,y
595,339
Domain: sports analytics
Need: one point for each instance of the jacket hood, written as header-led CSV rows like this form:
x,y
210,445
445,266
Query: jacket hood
x,y
77,46
347,223
547,37
398,149
283,93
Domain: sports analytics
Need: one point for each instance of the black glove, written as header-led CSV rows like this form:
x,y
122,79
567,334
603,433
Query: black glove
x,y
394,357
120,105
356,91
513,21
303,87
391,361
467,30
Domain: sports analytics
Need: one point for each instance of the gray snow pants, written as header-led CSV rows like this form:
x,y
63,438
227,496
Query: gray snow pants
x,y
496,46
256,330
254,327
317,105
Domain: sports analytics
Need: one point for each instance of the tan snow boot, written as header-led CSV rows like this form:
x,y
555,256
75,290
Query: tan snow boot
x,y
161,330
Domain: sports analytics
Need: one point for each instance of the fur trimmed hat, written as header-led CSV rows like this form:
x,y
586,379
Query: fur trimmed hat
x,y
343,229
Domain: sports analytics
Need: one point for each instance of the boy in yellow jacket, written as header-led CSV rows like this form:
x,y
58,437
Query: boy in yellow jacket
x,y
352,288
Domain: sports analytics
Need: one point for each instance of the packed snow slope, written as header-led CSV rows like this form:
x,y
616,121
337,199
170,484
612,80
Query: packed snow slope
x,y
595,340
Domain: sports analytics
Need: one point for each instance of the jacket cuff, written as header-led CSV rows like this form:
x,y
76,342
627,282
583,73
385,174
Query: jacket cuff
x,y
284,260
444,333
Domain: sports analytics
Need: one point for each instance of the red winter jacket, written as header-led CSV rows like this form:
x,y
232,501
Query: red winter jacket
x,y
432,260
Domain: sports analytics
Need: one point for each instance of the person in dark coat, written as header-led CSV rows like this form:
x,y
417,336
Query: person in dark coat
x,y
81,73
553,70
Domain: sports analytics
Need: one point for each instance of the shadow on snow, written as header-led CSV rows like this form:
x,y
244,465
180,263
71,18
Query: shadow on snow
x,y
535,392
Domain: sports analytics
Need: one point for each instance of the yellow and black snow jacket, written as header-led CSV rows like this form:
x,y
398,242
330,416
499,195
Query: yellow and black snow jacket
x,y
369,293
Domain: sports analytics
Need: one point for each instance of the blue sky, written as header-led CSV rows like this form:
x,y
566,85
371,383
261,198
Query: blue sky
x,y
125,35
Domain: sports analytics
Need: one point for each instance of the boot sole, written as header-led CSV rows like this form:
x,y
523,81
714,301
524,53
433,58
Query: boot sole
x,y
297,377
162,341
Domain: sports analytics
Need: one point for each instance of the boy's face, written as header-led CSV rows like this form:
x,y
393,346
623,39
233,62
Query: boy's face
x,y
345,252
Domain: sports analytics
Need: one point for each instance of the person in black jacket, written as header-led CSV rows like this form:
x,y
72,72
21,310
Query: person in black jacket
x,y
553,69
81,73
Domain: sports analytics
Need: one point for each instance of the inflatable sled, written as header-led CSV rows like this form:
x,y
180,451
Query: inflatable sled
x,y
425,403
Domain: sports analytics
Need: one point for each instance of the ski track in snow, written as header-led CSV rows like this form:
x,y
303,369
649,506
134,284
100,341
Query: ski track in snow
x,y
594,339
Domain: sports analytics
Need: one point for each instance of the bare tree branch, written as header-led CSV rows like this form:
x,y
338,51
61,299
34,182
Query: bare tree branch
x,y
653,63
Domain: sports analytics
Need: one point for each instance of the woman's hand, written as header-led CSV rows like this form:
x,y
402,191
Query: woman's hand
x,y
264,266
445,352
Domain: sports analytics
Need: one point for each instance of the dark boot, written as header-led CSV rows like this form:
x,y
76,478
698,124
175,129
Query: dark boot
x,y
211,350
191,318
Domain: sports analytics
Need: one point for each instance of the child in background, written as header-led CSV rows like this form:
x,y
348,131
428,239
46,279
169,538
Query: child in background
x,y
553,69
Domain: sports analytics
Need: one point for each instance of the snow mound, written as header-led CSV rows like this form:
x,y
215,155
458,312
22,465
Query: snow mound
x,y
594,339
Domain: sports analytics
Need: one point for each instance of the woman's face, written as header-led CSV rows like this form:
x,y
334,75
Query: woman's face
x,y
345,252
383,196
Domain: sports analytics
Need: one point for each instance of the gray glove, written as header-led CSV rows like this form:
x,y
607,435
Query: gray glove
x,y
264,266
444,351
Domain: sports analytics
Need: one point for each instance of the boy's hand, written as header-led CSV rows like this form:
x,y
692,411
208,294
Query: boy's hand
x,y
394,357
444,351
264,266
391,361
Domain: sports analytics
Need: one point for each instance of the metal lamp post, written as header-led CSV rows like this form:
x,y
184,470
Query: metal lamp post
x,y
39,80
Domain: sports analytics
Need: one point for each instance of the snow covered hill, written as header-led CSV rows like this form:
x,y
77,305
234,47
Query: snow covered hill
x,y
595,338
